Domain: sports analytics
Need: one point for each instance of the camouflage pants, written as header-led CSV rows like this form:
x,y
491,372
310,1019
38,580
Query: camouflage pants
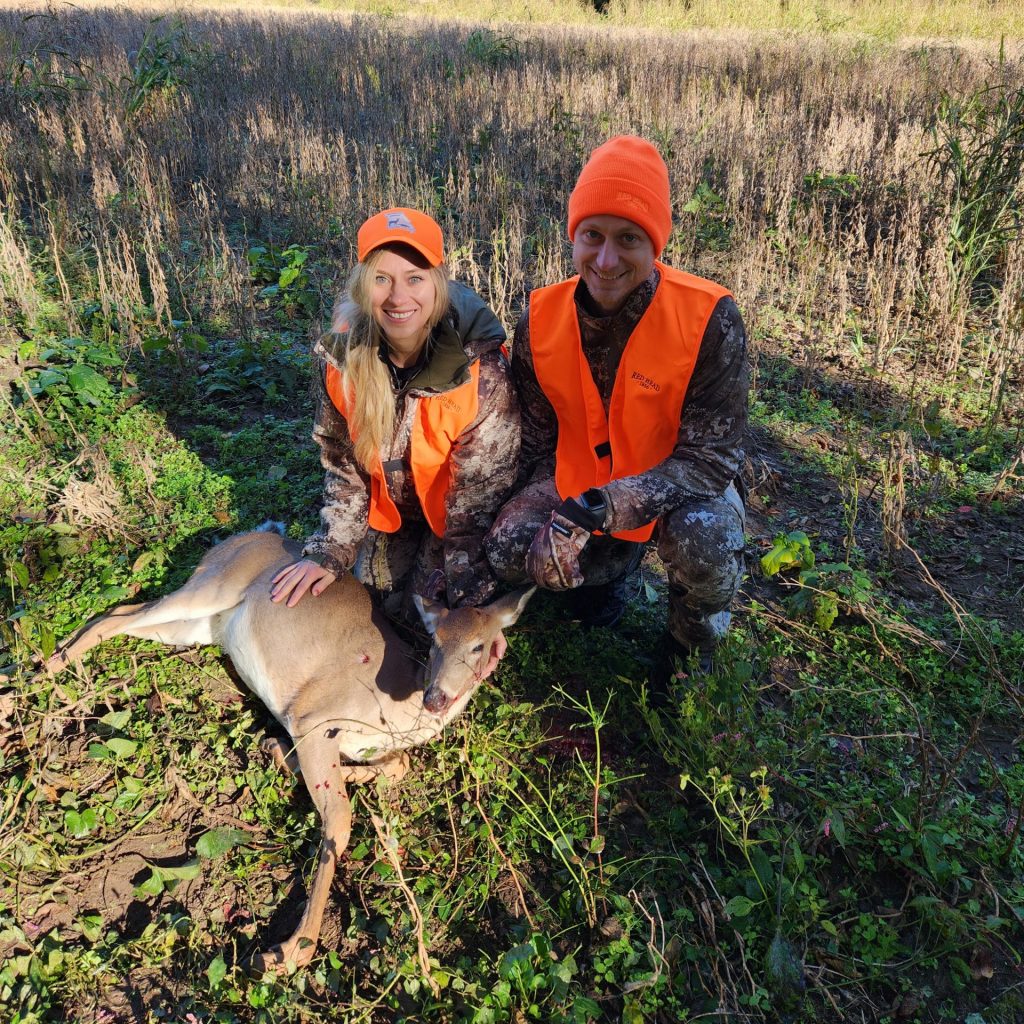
x,y
700,542
394,566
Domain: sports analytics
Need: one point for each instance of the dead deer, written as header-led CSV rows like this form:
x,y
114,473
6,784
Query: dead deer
x,y
331,670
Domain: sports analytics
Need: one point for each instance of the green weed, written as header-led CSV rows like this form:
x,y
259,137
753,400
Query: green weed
x,y
979,156
166,60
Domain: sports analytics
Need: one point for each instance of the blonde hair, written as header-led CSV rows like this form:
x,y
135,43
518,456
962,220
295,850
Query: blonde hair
x,y
371,417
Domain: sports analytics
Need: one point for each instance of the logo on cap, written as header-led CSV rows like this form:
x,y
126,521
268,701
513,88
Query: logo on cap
x,y
628,197
399,220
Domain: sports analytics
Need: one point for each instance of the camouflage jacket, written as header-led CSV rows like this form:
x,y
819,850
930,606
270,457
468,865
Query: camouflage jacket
x,y
484,460
709,449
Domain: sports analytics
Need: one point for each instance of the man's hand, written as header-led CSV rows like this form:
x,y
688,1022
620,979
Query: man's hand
x,y
294,580
554,556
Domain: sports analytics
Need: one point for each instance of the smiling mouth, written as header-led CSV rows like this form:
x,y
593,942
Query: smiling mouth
x,y
396,315
608,277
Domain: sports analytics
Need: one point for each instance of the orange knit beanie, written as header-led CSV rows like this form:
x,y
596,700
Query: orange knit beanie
x,y
626,177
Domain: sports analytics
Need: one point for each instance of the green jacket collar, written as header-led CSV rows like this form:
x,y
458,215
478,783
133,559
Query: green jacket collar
x,y
447,364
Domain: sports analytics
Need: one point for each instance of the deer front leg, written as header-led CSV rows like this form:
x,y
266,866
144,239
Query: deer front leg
x,y
393,769
285,758
319,765
282,754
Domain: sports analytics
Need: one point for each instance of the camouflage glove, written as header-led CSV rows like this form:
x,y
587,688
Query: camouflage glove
x,y
554,556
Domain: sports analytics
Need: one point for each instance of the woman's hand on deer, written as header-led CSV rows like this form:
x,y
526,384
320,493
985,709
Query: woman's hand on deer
x,y
498,649
292,582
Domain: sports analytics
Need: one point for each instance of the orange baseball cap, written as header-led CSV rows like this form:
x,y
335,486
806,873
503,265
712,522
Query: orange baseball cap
x,y
409,227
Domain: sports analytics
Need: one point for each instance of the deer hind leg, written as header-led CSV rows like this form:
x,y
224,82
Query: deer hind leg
x,y
114,623
319,765
181,618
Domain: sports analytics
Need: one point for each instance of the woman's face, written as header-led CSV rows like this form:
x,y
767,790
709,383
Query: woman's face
x,y
402,297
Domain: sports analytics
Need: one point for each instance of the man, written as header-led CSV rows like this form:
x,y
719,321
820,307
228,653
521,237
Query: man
x,y
633,380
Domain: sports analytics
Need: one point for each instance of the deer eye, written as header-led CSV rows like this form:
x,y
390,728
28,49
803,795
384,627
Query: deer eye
x,y
478,648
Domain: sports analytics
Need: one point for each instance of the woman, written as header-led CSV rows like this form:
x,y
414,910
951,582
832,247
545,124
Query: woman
x,y
417,423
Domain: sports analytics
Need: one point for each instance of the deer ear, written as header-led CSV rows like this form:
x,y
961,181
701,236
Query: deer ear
x,y
431,612
507,609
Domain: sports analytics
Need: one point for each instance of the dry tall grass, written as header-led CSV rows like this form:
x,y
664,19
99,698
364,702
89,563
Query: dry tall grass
x,y
880,19
797,168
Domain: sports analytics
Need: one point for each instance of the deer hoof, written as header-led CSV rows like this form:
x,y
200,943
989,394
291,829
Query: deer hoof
x,y
54,665
283,959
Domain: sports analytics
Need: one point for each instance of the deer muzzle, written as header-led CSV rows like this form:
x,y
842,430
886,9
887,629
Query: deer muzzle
x,y
435,700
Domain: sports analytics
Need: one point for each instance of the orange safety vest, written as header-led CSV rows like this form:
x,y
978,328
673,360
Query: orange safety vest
x,y
437,424
642,424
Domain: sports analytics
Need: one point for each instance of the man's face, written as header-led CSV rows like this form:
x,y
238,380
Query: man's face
x,y
612,256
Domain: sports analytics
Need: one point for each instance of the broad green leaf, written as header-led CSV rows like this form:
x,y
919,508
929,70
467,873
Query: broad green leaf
x,y
584,1010
798,857
116,719
86,383
216,971
157,555
837,825
739,906
288,275
218,841
792,550
92,926
121,747
152,886
186,871
47,640
561,846
512,960
196,342
826,608
632,1012
762,866
74,824
46,380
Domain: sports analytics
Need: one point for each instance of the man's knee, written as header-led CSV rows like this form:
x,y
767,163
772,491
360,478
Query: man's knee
x,y
505,554
701,545
508,541
514,528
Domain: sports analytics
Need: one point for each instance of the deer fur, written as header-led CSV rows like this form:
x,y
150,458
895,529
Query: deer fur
x,y
331,670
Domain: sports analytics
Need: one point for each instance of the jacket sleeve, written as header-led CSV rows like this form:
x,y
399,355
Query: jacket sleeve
x,y
344,515
540,424
708,453
484,463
